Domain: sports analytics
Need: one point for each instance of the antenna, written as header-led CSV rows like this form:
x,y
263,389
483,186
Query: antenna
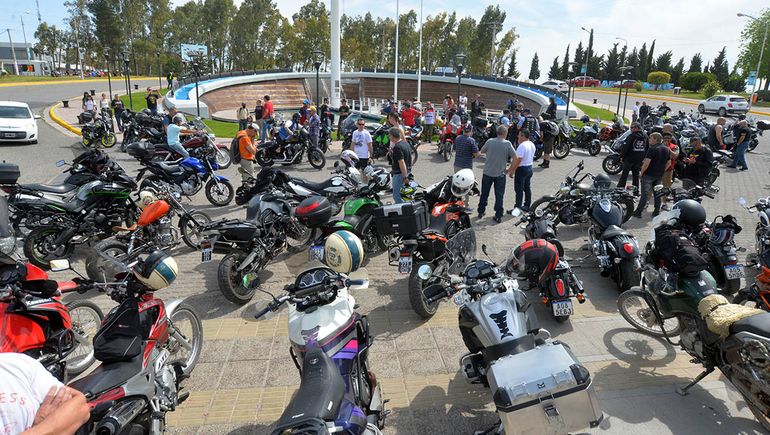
x,y
39,17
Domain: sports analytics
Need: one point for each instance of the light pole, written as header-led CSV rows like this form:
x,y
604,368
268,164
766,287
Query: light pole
x,y
623,70
569,89
13,51
318,58
459,66
622,39
160,85
196,69
395,69
759,63
127,64
584,72
109,71
24,32
419,60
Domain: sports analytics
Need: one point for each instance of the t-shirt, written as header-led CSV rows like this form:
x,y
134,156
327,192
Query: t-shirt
x,y
526,152
505,121
24,384
243,143
409,115
465,148
172,134
104,103
267,110
674,150
401,151
462,100
741,131
659,156
90,105
498,152
699,169
361,140
258,111
152,100
429,116
117,105
634,148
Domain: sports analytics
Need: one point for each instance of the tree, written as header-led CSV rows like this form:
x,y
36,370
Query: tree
x,y
555,70
696,63
512,71
503,51
719,67
534,69
632,61
579,59
711,88
751,43
676,73
309,31
663,62
246,51
658,78
651,57
565,65
611,67
693,81
641,64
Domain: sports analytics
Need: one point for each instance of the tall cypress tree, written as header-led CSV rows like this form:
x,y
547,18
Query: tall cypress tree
x,y
534,69
565,65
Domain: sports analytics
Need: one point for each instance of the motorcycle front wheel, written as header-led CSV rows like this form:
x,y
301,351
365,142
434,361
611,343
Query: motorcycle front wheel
x,y
86,320
633,306
612,165
219,193
186,326
230,280
223,158
561,148
753,144
594,148
109,140
316,158
39,247
417,300
264,160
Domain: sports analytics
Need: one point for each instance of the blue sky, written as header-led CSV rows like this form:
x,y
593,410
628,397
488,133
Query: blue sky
x,y
546,27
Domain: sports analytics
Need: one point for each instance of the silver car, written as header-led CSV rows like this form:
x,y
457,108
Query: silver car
x,y
724,104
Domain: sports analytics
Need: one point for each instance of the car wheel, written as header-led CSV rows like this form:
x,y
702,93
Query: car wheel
x,y
722,111
701,108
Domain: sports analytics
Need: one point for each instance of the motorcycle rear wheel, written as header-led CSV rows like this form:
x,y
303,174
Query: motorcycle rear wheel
x,y
316,158
417,300
745,387
627,204
263,160
38,249
753,144
189,226
633,306
627,276
231,281
612,165
82,357
194,336
219,193
561,148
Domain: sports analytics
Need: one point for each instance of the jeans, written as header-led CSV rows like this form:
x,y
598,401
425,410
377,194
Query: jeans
x,y
265,129
153,110
634,168
486,185
242,124
397,181
179,149
521,184
740,155
314,140
119,121
648,183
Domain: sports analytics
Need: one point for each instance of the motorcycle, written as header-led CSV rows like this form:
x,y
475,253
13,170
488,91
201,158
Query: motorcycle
x,y
446,143
99,130
510,354
612,164
608,134
291,151
330,344
571,137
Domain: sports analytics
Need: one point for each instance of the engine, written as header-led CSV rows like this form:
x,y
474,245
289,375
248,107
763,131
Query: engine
x,y
190,186
165,381
690,337
163,233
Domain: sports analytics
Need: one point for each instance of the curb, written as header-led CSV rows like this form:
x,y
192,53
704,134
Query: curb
x,y
56,119
670,100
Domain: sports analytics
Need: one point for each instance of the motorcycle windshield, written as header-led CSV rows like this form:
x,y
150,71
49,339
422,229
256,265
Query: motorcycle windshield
x,y
462,250
349,124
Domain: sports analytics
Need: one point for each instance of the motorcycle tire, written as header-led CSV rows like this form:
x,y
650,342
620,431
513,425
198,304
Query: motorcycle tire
x,y
414,154
712,177
416,299
632,315
762,419
626,275
316,158
346,144
753,144
109,140
371,239
231,282
223,189
75,364
538,202
189,225
560,319
194,336
112,248
594,148
612,164
446,151
263,160
730,287
628,207
324,144
224,160
561,148
85,141
38,253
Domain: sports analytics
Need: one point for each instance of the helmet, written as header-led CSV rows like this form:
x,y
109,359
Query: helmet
x,y
178,118
147,112
306,101
585,119
296,117
462,182
380,177
157,271
343,252
146,198
691,213
602,181
535,259
349,158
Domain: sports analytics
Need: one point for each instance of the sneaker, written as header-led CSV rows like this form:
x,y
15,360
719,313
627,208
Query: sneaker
x,y
744,169
665,207
497,219
730,166
480,216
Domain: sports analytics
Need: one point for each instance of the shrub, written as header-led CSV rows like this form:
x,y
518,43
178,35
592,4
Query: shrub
x,y
693,81
638,86
658,78
735,83
763,95
711,88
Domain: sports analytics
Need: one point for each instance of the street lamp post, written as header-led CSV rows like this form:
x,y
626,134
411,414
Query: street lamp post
x,y
317,61
196,69
623,70
13,51
569,89
459,66
585,73
127,63
759,62
24,32
109,85
160,72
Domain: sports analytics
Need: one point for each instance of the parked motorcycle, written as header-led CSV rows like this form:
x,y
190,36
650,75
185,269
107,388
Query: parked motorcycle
x,y
290,152
570,137
330,344
99,130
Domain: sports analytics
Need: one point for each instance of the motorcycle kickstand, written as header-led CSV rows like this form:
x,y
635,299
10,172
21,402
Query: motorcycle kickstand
x,y
684,391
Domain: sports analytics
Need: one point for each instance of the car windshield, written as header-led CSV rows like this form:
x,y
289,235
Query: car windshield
x,y
14,112
738,100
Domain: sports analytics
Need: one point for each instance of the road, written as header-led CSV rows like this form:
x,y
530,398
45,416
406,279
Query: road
x,y
245,376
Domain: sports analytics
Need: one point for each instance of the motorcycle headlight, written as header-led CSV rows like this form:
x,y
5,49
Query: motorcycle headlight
x,y
564,190
7,245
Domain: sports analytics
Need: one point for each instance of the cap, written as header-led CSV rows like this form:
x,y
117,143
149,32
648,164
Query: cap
x,y
311,108
253,126
305,101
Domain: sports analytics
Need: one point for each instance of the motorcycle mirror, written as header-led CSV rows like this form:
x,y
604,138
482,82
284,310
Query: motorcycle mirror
x,y
484,249
742,201
424,272
59,265
516,212
250,281
60,163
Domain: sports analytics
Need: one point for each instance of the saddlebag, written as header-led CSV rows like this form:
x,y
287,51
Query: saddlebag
x,y
404,219
120,337
9,173
678,252
543,391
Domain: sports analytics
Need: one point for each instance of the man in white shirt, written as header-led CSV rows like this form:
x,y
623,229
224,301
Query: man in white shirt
x,y
362,144
522,168
462,101
33,402
635,116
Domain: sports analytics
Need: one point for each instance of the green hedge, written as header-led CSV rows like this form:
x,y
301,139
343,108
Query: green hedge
x,y
694,81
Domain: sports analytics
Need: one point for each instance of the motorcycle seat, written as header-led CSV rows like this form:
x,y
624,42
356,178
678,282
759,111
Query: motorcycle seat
x,y
168,168
58,188
310,185
613,231
320,393
758,324
108,376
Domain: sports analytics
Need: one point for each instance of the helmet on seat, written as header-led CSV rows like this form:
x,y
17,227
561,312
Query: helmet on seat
x,y
157,271
343,252
691,212
535,259
602,181
349,158
462,182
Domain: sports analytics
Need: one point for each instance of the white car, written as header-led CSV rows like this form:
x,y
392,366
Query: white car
x,y
724,104
556,85
17,122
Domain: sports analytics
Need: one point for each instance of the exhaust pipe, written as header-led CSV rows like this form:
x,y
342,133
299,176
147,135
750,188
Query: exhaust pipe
x,y
121,415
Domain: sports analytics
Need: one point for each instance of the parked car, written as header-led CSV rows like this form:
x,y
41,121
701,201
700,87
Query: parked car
x,y
556,85
724,104
585,81
625,84
17,123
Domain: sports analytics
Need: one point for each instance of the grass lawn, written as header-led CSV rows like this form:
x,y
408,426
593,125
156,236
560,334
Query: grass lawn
x,y
595,112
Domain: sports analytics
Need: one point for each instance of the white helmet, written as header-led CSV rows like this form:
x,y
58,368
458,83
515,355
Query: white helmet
x,y
349,158
146,198
462,182
178,118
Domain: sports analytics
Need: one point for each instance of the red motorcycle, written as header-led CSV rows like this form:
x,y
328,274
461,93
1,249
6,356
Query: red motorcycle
x,y
446,141
608,134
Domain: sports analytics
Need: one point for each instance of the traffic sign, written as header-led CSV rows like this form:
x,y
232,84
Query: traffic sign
x,y
751,79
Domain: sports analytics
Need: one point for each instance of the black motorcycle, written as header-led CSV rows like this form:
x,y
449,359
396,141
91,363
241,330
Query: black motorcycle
x,y
570,137
99,131
290,151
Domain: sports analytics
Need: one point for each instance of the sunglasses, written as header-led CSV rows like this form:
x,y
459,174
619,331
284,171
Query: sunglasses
x,y
361,124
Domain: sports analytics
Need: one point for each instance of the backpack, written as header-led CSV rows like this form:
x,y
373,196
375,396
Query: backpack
x,y
120,337
235,149
678,252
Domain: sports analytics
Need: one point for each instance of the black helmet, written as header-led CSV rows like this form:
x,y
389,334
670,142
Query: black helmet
x,y
691,213
296,117
585,119
147,112
602,181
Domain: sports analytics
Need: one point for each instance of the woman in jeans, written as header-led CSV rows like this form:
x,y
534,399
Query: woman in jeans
x,y
744,137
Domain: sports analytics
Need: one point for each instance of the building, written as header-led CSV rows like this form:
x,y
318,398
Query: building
x,y
28,61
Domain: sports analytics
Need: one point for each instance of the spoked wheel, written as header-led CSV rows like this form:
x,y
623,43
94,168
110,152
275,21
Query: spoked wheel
x,y
745,387
223,158
86,320
40,247
316,158
109,140
188,338
219,193
190,226
420,305
612,165
297,235
633,306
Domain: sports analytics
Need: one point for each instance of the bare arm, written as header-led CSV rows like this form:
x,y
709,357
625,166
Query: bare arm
x,y
63,411
514,165
402,166
719,135
645,165
371,150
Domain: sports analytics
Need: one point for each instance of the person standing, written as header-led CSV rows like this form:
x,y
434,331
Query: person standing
x,y
117,107
644,111
505,118
476,106
362,144
247,149
498,152
550,111
521,171
152,98
344,112
89,105
743,139
409,114
429,117
104,102
170,80
462,101
258,111
314,126
402,163
714,138
304,112
267,118
668,175
86,95
243,117
465,149
632,154
635,116
698,163
654,165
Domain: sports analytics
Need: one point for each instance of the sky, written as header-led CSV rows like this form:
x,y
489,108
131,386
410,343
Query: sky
x,y
685,27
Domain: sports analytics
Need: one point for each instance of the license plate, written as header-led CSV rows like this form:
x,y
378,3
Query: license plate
x,y
10,134
562,308
405,265
205,250
316,252
734,271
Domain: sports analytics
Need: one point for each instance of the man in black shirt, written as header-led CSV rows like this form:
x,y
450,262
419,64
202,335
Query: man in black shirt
x,y
644,111
476,106
653,166
402,163
550,112
632,154
742,141
699,162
